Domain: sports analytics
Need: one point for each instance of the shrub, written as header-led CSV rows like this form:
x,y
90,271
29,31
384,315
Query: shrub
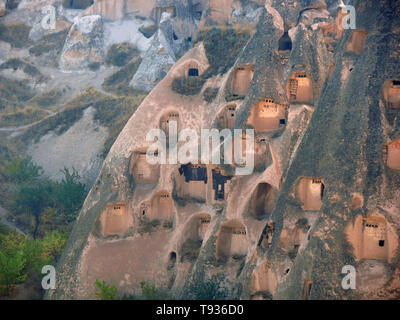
x,y
120,54
94,66
168,224
147,226
22,116
21,170
17,34
105,291
222,47
15,91
48,99
208,290
70,194
210,93
22,258
11,267
190,250
187,86
118,82
15,63
51,42
150,292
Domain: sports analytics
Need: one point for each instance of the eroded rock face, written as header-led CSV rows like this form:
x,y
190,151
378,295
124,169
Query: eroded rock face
x,y
324,104
3,9
157,61
84,43
118,9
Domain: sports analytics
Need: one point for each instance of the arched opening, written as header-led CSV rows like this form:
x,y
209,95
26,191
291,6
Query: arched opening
x,y
392,154
307,289
191,181
267,115
172,259
194,233
391,93
299,88
161,207
372,238
115,219
141,169
262,201
285,43
311,192
357,41
241,79
232,241
220,179
263,281
77,4
168,120
228,117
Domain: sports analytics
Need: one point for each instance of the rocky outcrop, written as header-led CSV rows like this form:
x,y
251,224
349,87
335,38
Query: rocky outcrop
x,y
3,9
157,61
84,44
324,193
119,9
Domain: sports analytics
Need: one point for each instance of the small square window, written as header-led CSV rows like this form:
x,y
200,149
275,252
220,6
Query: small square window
x,y
381,243
282,121
193,72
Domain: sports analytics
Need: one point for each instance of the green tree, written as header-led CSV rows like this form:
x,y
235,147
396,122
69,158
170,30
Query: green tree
x,y
34,198
11,269
35,258
21,170
70,194
105,291
53,244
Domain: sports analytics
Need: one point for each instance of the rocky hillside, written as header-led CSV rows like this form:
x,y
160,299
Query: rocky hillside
x,y
77,70
323,100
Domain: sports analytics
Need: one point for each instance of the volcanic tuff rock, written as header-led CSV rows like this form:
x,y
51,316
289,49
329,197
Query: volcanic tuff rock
x,y
84,43
324,103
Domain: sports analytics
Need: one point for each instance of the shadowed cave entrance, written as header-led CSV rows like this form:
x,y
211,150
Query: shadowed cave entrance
x,y
191,181
372,238
228,117
263,281
160,207
141,169
241,79
232,241
171,116
285,43
393,154
263,201
193,236
310,192
115,219
299,88
267,115
77,4
391,93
